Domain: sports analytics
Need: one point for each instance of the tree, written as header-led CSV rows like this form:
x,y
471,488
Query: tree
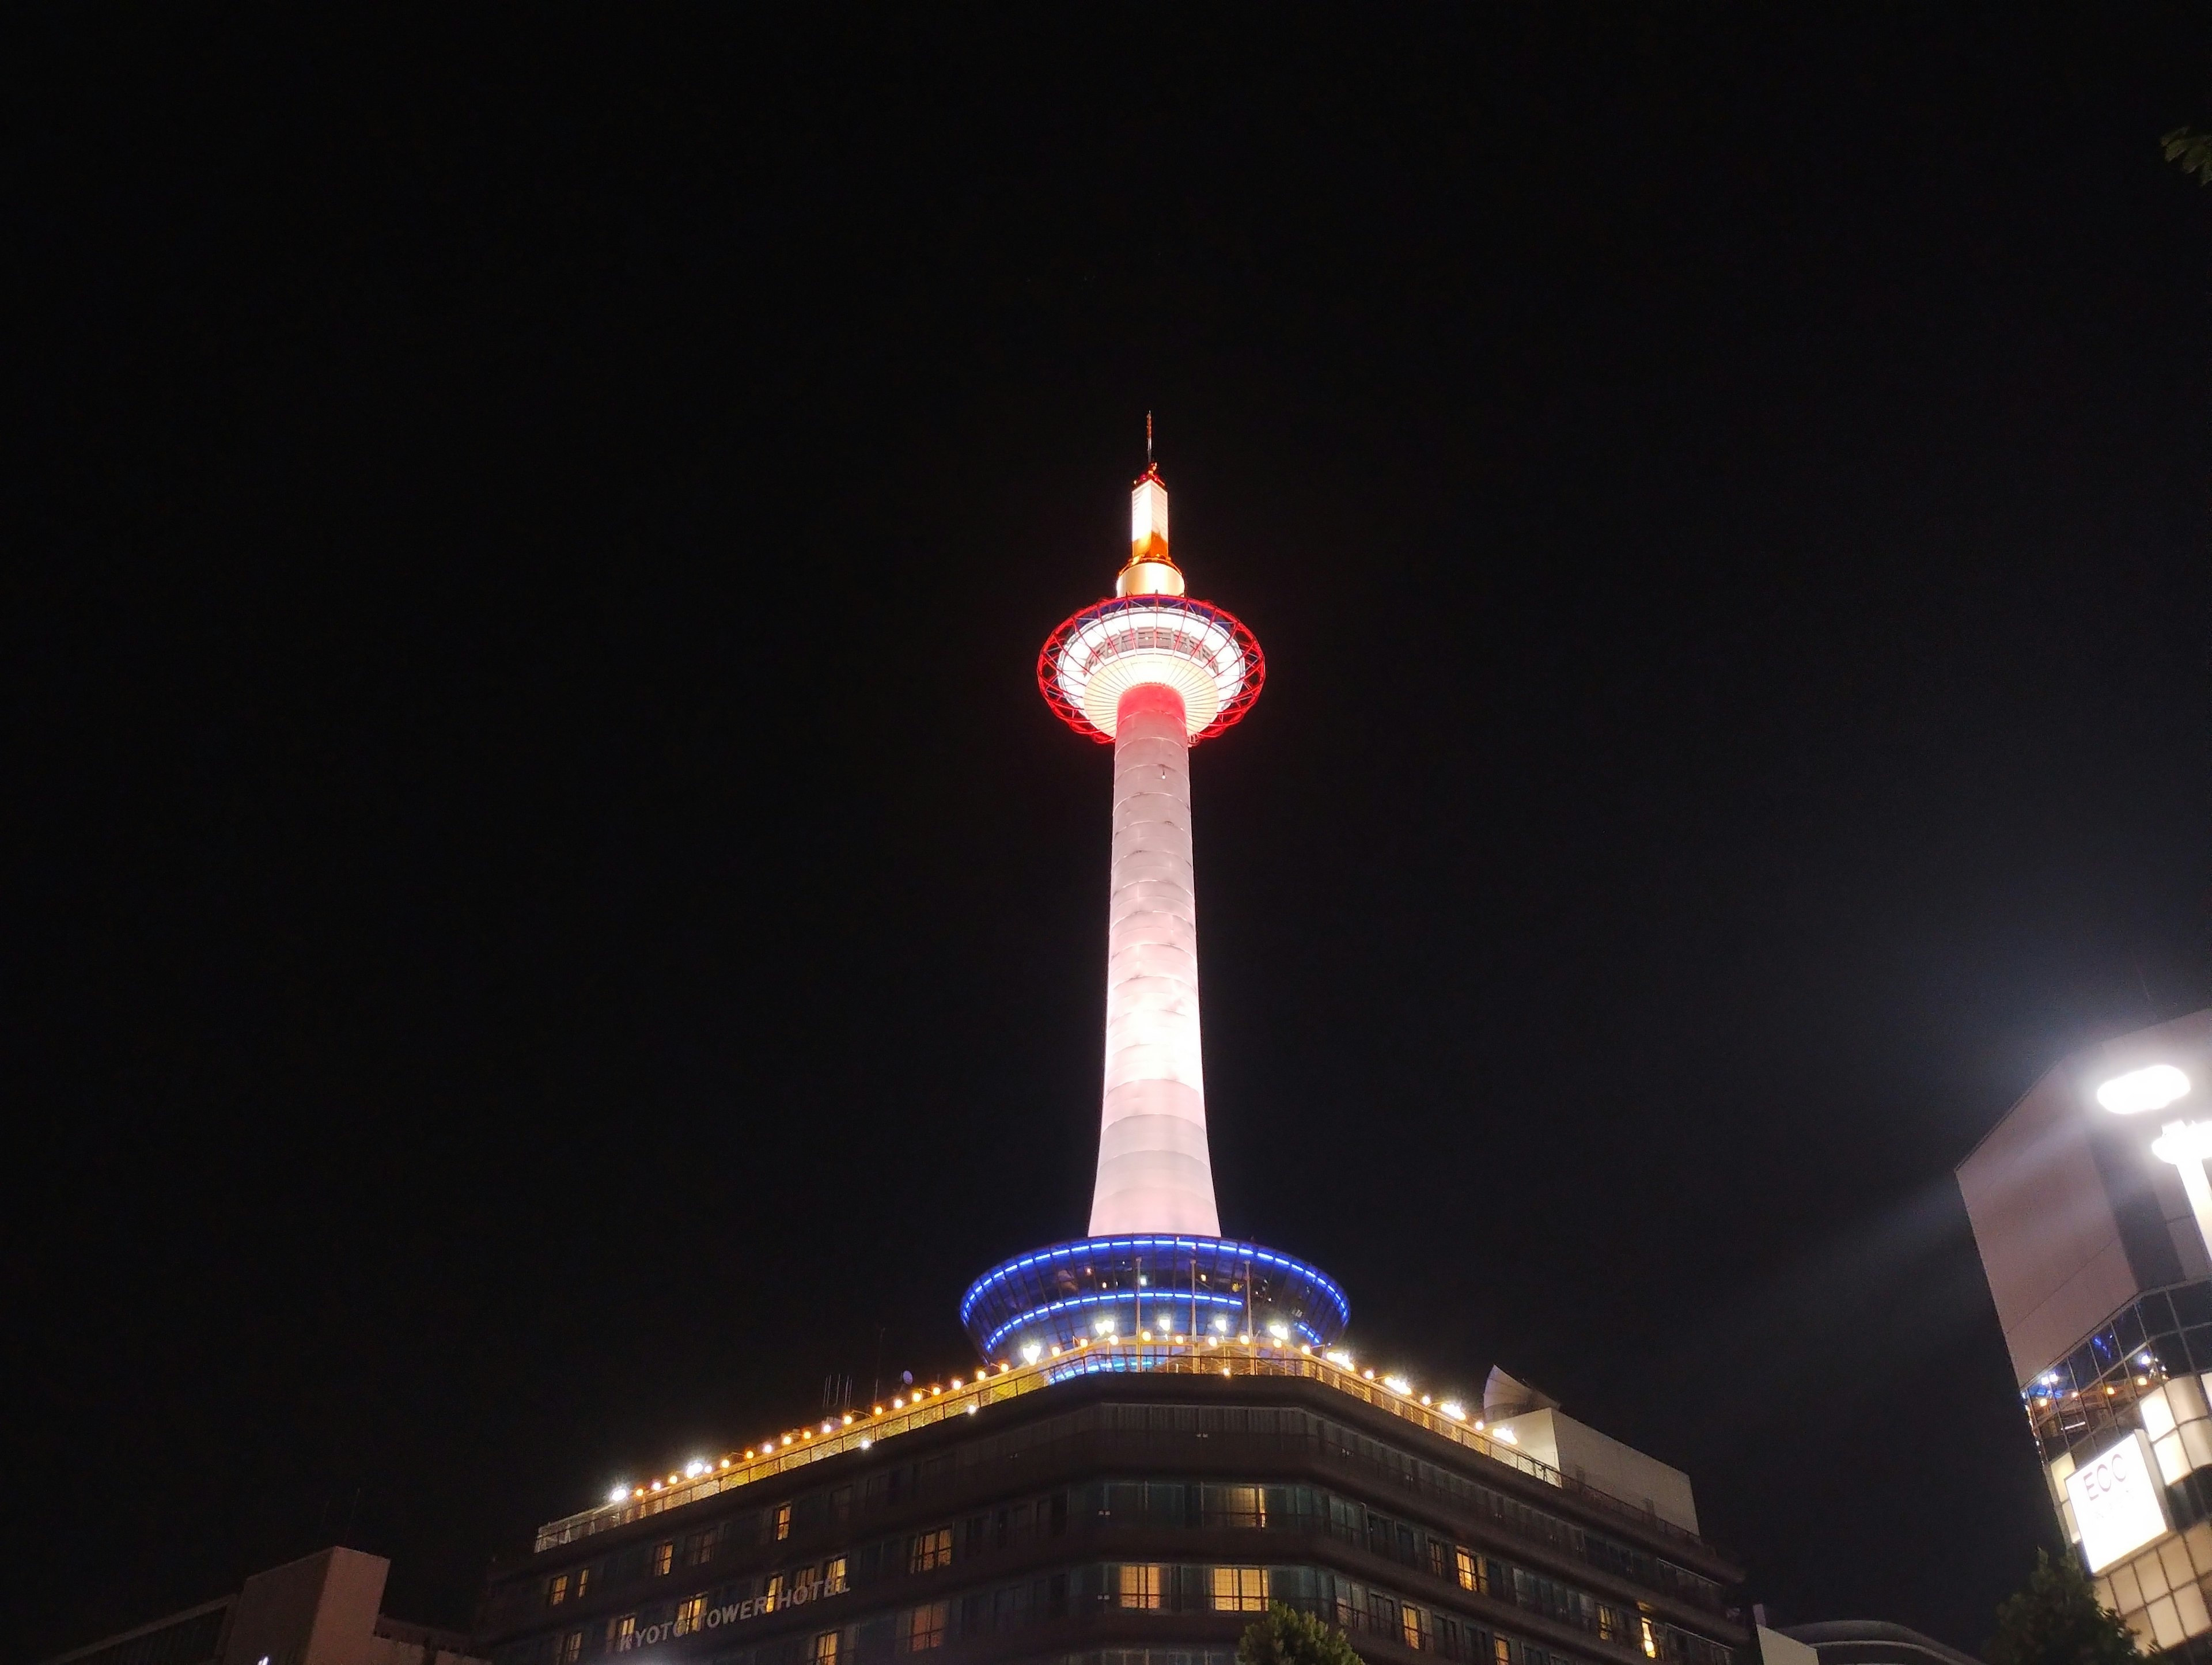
x,y
2056,1620
1287,1636
2192,150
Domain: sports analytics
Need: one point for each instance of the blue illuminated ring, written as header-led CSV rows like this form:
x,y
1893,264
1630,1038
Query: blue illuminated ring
x,y
1052,1296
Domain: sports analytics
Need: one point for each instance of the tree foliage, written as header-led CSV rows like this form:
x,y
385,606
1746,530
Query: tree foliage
x,y
2192,150
1287,1637
2056,1620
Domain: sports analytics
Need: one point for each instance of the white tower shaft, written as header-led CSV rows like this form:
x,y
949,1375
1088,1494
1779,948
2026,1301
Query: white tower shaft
x,y
1153,1171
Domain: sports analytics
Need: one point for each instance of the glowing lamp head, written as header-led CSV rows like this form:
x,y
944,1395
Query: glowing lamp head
x,y
2183,1142
2152,1088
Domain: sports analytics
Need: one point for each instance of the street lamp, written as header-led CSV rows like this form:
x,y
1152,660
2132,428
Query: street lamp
x,y
2151,1088
2185,1144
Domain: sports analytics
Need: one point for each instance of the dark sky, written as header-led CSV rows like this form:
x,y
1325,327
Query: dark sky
x,y
547,914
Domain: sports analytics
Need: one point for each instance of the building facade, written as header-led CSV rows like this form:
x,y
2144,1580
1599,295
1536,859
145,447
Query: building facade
x,y
1130,1506
323,1609
2097,1262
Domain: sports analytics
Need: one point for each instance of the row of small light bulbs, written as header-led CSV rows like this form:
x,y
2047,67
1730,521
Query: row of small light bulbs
x,y
1338,1357
1033,1353
699,1467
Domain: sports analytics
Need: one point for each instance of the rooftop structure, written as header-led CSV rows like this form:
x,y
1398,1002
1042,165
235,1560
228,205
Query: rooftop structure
x,y
323,1609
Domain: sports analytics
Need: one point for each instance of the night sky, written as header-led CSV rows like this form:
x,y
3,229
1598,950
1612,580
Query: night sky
x,y
546,914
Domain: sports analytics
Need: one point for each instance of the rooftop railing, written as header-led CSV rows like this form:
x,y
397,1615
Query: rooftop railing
x,y
854,1431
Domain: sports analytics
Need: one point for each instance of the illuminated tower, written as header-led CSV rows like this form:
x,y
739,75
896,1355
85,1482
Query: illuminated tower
x,y
1151,673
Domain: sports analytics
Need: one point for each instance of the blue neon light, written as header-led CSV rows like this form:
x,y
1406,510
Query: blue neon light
x,y
1057,1319
1219,1250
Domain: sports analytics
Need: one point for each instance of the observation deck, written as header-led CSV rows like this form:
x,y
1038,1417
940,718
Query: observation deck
x,y
1142,1287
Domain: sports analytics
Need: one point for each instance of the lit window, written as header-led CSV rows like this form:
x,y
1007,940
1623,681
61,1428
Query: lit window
x,y
772,1593
1241,1505
1412,1625
833,1575
572,1648
1137,1587
1504,1650
583,1583
783,1520
924,1626
663,1557
1240,1590
1470,1572
558,1591
825,1649
622,1633
930,1549
690,1614
1650,1640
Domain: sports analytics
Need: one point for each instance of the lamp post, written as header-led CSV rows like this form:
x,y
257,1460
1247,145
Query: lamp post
x,y
2185,1144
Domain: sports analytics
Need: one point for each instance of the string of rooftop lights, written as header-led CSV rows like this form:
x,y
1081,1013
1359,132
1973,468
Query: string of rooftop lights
x,y
923,1407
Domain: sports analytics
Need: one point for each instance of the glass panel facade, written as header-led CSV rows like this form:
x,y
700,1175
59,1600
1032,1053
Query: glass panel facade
x,y
2092,1395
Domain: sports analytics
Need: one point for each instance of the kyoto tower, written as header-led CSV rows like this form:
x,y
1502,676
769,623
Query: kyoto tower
x,y
1151,673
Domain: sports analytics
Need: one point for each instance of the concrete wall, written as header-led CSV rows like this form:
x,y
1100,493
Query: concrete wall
x,y
1581,1453
1776,1649
320,1610
2072,1216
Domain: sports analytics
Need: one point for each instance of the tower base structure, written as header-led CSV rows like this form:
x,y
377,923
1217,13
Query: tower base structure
x,y
1167,1286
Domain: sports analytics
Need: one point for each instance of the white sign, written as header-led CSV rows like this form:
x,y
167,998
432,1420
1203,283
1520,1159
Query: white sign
x,y
2119,1502
729,1612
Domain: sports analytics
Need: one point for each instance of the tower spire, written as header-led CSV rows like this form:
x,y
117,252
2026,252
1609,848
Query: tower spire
x,y
1151,570
1152,672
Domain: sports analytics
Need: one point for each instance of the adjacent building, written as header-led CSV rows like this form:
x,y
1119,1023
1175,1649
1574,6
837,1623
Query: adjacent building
x,y
2089,1203
324,1609
1856,1642
1165,1433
